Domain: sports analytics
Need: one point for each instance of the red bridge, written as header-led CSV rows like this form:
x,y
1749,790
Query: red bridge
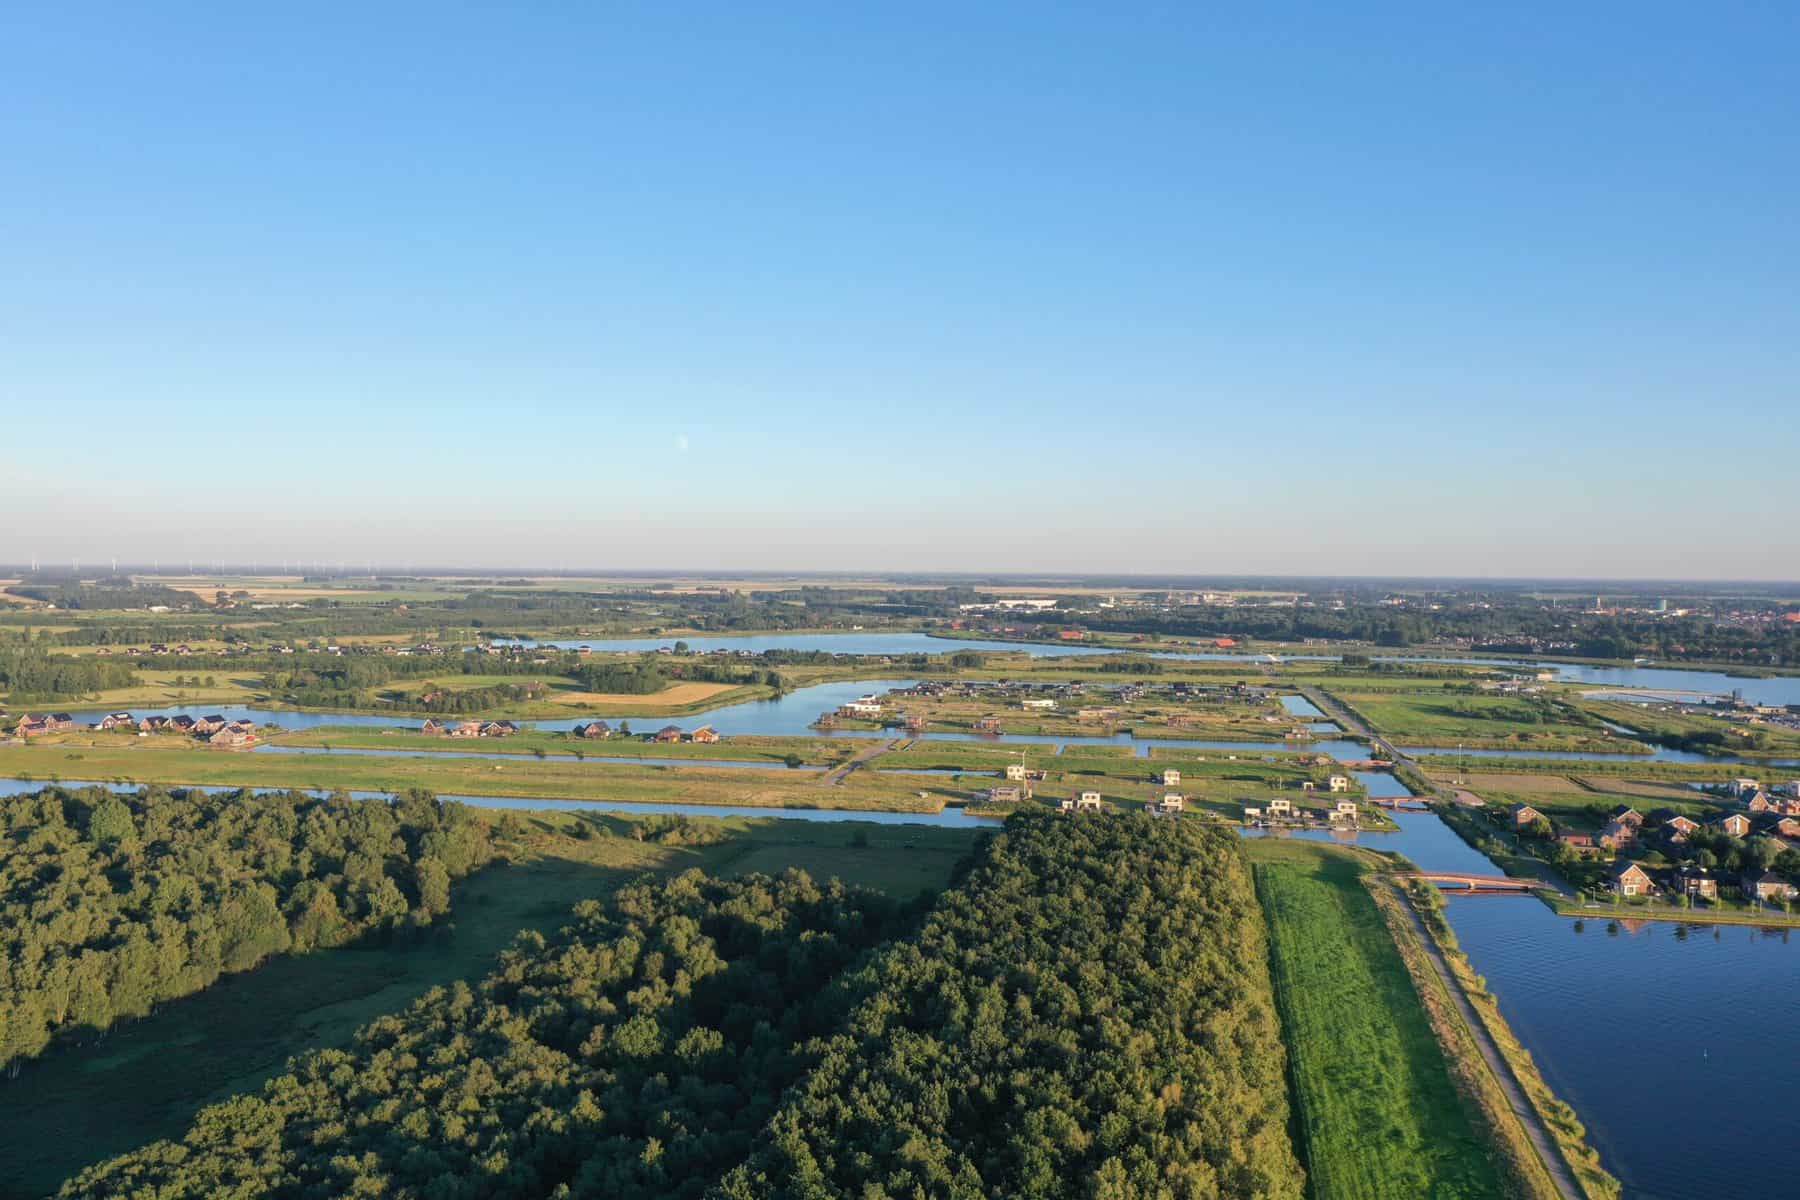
x,y
1472,883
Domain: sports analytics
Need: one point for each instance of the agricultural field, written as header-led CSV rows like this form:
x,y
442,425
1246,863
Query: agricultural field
x,y
1154,711
828,752
1684,727
1379,1113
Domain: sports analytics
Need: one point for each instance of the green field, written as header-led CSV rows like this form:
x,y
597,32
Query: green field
x,y
82,1103
1380,1117
1446,718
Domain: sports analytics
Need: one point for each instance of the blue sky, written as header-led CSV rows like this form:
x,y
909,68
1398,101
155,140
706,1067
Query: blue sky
x,y
1124,287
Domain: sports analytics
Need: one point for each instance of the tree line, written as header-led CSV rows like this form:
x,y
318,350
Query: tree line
x,y
27,675
112,903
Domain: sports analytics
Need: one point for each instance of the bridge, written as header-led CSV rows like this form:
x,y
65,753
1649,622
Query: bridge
x,y
1473,883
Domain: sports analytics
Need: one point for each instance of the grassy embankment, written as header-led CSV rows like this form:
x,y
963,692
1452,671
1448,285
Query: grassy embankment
x,y
813,751
1380,1115
525,777
82,1103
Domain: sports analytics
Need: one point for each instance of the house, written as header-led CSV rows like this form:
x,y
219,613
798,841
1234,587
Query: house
x,y
1615,835
433,727
1344,810
1281,807
1172,802
153,724
466,729
1252,815
1696,883
232,735
207,726
1766,886
1679,829
30,726
1037,702
1523,815
706,734
593,729
118,720
1629,879
183,724
1071,635
668,733
1779,826
1580,843
867,706
914,723
1004,793
1339,783
1733,824
1627,815
1740,788
1015,770
988,724
1171,777
1087,801
499,729
1760,802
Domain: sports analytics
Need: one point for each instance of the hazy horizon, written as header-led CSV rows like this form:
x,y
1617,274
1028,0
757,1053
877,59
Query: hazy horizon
x,y
1393,291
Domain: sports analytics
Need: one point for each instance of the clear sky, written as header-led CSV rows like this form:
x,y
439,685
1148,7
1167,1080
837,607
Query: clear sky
x,y
1326,289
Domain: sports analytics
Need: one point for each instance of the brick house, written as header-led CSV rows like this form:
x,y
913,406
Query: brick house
x,y
1523,815
593,729
706,733
1630,879
668,733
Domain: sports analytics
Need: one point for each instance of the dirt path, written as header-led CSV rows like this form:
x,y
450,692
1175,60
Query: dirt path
x,y
836,775
1540,1135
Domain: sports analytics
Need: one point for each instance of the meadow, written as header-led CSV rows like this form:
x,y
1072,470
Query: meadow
x,y
1379,1114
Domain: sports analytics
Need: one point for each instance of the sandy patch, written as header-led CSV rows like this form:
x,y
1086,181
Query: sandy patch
x,y
675,693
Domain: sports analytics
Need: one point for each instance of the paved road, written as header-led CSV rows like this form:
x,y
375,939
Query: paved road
x,y
1535,1129
836,775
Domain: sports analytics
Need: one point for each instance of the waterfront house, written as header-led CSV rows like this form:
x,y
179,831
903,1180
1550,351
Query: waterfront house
x,y
914,723
466,729
1004,793
232,735
1253,816
1171,777
433,727
1767,886
30,726
668,733
207,726
1281,807
118,720
705,734
1733,824
153,724
1339,783
866,706
1523,815
1344,810
1037,702
499,729
987,724
1696,883
1630,879
182,723
593,729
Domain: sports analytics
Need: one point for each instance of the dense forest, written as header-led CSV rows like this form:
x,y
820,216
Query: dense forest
x,y
111,903
28,675
1087,1014
635,1054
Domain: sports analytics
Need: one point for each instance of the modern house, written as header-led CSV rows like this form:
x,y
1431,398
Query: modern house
x,y
1340,783
1172,802
1281,807
1345,810
1629,879
1087,801
1004,793
1171,777
1015,770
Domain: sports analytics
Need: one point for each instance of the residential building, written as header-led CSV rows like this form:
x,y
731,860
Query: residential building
x,y
1171,777
1340,783
1523,815
705,734
1630,879
593,729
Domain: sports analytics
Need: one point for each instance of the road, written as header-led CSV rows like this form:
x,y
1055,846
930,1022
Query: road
x,y
836,775
1539,1133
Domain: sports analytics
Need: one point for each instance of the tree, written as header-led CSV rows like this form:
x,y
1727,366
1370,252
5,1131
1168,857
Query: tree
x,y
110,823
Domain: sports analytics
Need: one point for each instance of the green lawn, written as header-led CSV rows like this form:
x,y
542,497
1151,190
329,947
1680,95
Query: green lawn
x,y
1444,718
145,1080
1379,1116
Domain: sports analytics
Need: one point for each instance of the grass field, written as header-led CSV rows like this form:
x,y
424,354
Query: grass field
x,y
1379,1115
82,1103
745,747
1439,718
518,776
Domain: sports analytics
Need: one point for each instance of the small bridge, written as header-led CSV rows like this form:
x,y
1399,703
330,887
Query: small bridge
x,y
1409,803
1472,883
